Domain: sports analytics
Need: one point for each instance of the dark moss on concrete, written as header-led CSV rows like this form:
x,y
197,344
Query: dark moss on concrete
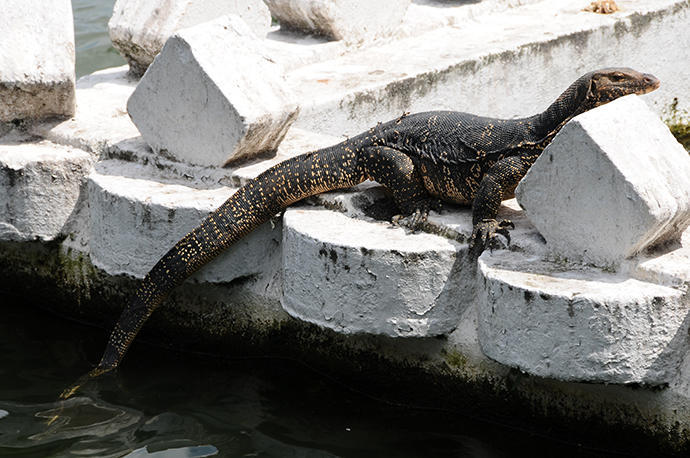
x,y
678,122
455,359
682,133
227,321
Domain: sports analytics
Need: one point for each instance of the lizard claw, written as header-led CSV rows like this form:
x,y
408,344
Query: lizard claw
x,y
484,235
414,222
416,219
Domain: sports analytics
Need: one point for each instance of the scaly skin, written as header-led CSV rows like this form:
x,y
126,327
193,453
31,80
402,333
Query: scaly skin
x,y
422,159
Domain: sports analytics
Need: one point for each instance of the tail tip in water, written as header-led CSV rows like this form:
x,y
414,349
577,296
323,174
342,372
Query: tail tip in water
x,y
95,372
69,392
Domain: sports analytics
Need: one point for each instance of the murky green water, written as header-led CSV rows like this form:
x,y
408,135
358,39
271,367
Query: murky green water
x,y
167,405
93,48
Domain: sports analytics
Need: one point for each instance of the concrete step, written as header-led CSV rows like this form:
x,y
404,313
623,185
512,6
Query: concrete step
x,y
139,29
357,276
135,220
41,186
553,320
102,126
504,64
36,60
508,64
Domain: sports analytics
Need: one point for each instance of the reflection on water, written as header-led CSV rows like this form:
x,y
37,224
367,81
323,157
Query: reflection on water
x,y
93,48
166,405
184,452
80,425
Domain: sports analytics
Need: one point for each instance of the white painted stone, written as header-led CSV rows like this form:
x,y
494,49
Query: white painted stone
x,y
425,15
134,221
613,182
40,185
295,142
292,49
36,59
101,125
349,20
669,265
579,325
140,28
355,276
481,64
443,70
101,121
211,97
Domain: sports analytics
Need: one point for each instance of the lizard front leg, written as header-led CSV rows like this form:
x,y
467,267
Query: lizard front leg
x,y
396,171
497,184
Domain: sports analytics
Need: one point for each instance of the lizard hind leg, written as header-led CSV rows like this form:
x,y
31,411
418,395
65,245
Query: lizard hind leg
x,y
396,171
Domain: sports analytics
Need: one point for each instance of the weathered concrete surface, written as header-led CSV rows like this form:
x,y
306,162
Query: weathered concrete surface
x,y
134,221
199,104
40,186
425,15
347,94
668,265
140,28
349,20
101,121
613,182
481,66
103,127
294,49
36,60
355,276
553,321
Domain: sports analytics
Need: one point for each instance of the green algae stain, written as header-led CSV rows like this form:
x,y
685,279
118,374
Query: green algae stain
x,y
678,122
682,133
75,266
455,359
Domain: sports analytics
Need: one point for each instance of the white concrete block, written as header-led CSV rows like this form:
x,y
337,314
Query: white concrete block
x,y
36,59
355,276
579,325
134,221
140,28
101,121
480,65
211,97
349,20
40,185
613,182
669,266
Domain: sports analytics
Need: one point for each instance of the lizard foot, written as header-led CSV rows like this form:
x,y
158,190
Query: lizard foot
x,y
418,215
484,235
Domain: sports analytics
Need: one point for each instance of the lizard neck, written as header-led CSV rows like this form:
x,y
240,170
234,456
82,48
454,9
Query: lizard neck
x,y
572,102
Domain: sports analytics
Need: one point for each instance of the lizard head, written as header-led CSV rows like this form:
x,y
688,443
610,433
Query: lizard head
x,y
611,83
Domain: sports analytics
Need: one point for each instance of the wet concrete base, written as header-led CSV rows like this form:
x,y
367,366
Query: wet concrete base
x,y
424,373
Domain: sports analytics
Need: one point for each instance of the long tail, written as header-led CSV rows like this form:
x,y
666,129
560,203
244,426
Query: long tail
x,y
324,170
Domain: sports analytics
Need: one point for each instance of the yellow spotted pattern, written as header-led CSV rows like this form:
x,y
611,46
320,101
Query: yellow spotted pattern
x,y
421,158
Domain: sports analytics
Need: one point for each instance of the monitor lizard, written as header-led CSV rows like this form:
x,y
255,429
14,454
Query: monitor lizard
x,y
422,159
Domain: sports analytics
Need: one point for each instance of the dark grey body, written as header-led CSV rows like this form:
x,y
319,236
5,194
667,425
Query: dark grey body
x,y
422,159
